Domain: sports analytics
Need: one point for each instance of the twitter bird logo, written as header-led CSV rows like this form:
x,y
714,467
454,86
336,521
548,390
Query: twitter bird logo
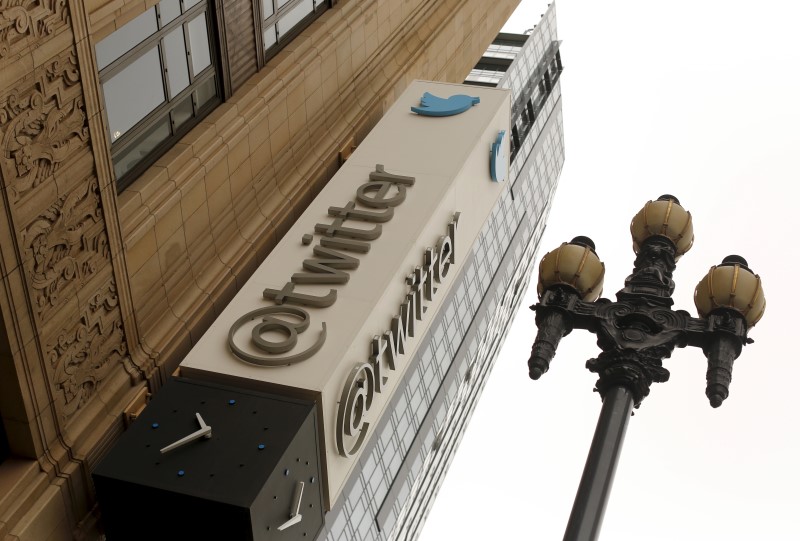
x,y
498,164
431,105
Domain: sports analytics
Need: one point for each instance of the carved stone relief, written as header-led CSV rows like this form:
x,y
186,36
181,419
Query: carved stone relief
x,y
64,246
84,354
42,123
61,229
36,19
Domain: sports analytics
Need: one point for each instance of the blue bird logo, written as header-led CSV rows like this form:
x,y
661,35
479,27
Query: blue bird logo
x,y
498,164
431,105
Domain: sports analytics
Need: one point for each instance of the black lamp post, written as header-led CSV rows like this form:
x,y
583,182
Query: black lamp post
x,y
638,332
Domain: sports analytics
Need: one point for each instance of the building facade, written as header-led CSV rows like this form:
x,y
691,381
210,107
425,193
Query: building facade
x,y
406,461
154,153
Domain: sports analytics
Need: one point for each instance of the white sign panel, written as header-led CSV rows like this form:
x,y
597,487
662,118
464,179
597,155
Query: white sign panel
x,y
336,311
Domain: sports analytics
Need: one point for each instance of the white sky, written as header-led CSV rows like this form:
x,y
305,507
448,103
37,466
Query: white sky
x,y
698,99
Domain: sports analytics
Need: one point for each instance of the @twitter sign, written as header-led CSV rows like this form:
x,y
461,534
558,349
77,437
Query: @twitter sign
x,y
339,311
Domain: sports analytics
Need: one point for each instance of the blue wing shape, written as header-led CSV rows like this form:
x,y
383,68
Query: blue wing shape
x,y
430,105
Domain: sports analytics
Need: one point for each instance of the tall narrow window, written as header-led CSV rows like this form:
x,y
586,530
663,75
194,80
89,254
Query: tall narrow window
x,y
159,79
11,402
5,449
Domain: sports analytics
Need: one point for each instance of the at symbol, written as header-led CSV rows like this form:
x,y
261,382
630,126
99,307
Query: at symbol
x,y
270,322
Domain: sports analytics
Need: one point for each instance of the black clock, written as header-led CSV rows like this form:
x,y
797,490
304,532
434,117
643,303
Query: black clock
x,y
207,461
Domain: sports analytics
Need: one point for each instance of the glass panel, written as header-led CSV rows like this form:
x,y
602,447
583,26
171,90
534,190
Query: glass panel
x,y
175,57
126,38
133,92
268,9
198,40
294,16
206,91
140,148
181,113
282,3
169,9
188,4
269,37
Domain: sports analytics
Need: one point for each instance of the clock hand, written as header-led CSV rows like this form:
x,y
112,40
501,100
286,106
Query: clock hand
x,y
291,522
205,431
201,421
294,515
298,496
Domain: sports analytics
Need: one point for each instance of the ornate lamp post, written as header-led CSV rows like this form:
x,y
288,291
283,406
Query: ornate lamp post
x,y
638,332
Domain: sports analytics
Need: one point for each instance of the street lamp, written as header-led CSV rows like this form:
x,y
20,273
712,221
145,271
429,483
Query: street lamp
x,y
638,332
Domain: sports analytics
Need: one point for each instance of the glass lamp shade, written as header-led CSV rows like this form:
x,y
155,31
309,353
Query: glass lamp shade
x,y
574,265
731,285
664,217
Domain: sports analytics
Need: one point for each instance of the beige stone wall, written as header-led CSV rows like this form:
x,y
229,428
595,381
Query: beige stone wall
x,y
65,366
103,293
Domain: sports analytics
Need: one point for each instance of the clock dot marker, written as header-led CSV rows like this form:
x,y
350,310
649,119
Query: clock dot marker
x,y
286,471
261,446
154,425
231,402
181,473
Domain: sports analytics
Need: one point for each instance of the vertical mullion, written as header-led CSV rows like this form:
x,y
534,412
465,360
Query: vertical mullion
x,y
277,19
165,81
188,46
162,58
258,20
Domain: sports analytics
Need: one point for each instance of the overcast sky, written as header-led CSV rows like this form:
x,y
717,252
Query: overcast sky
x,y
698,99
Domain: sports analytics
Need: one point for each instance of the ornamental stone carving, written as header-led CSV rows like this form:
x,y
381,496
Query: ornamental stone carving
x,y
42,123
82,356
65,246
22,19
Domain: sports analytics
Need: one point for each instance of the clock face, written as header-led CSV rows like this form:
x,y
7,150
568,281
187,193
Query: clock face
x,y
244,462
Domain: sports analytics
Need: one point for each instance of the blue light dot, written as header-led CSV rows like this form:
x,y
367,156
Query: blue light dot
x,y
231,402
261,446
181,473
154,425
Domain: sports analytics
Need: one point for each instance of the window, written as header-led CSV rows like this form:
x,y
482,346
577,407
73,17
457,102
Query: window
x,y
484,77
159,79
5,449
283,19
497,50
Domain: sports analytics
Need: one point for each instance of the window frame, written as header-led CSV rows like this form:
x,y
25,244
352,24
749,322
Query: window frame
x,y
264,55
165,111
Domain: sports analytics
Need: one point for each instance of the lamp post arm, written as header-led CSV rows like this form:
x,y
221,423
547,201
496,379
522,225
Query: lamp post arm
x,y
638,332
552,326
554,319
